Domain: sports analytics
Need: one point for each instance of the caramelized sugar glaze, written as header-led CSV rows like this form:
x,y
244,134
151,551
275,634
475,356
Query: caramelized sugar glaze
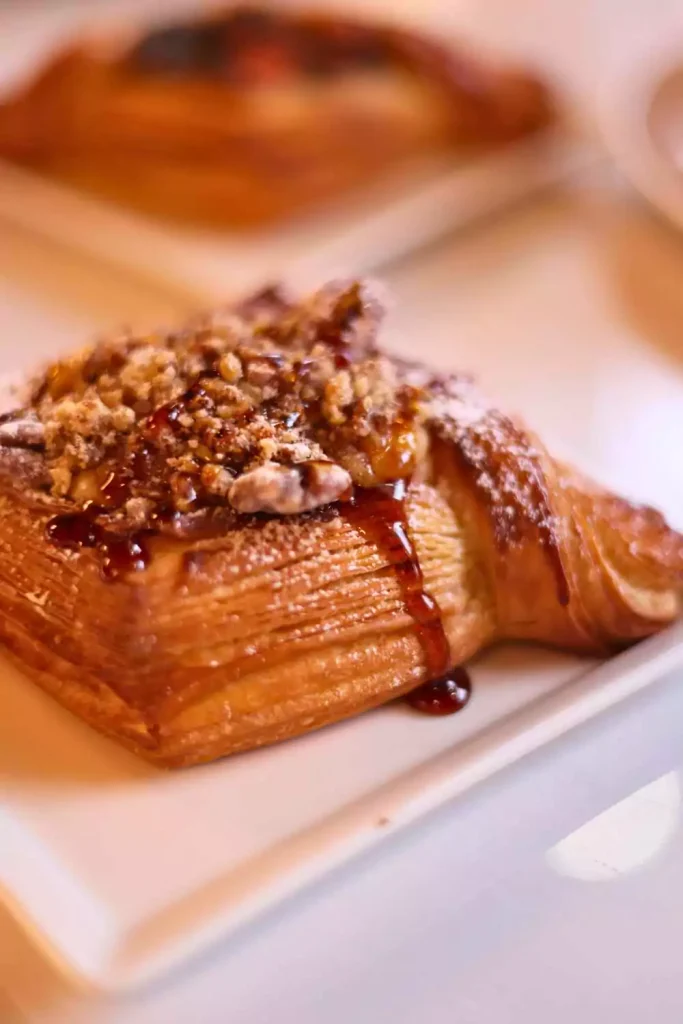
x,y
381,514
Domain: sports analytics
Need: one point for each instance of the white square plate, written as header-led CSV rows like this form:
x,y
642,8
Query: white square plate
x,y
122,872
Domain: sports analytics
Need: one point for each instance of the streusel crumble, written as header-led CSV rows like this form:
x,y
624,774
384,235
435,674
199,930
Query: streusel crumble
x,y
270,405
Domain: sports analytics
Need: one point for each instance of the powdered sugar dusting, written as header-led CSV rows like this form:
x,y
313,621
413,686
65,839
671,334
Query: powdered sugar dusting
x,y
506,468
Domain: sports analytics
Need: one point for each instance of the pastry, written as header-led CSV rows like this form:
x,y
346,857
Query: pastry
x,y
250,115
223,536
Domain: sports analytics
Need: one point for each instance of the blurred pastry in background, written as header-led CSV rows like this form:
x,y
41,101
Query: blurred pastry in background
x,y
250,115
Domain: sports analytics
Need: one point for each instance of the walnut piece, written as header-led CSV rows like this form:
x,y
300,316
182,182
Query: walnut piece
x,y
289,490
25,432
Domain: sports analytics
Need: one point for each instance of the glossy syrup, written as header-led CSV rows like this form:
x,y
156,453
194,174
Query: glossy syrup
x,y
380,512
120,553
443,696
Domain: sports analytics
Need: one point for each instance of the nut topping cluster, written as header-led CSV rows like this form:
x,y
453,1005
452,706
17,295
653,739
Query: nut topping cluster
x,y
269,405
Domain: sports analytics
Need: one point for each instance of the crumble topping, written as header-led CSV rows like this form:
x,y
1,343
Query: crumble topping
x,y
269,405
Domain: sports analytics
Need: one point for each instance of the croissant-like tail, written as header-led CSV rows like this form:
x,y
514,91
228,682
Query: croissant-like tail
x,y
571,564
624,563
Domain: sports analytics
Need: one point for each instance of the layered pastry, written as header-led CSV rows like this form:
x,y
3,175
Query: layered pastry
x,y
253,114
225,535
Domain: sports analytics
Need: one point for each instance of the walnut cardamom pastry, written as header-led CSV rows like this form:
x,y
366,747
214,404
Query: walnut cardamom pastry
x,y
252,114
223,536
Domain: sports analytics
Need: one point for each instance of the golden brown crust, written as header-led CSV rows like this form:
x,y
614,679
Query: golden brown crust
x,y
241,630
262,135
223,644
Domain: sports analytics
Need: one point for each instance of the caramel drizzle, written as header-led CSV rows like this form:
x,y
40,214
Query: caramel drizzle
x,y
380,513
120,553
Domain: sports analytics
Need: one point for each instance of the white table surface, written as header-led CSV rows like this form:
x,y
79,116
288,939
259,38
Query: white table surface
x,y
477,916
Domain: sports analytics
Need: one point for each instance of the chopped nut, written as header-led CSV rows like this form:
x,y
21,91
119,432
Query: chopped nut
x,y
267,447
123,418
184,492
285,490
138,511
86,417
113,398
185,463
338,394
270,405
230,367
85,487
25,432
324,482
216,479
300,451
260,372
61,480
